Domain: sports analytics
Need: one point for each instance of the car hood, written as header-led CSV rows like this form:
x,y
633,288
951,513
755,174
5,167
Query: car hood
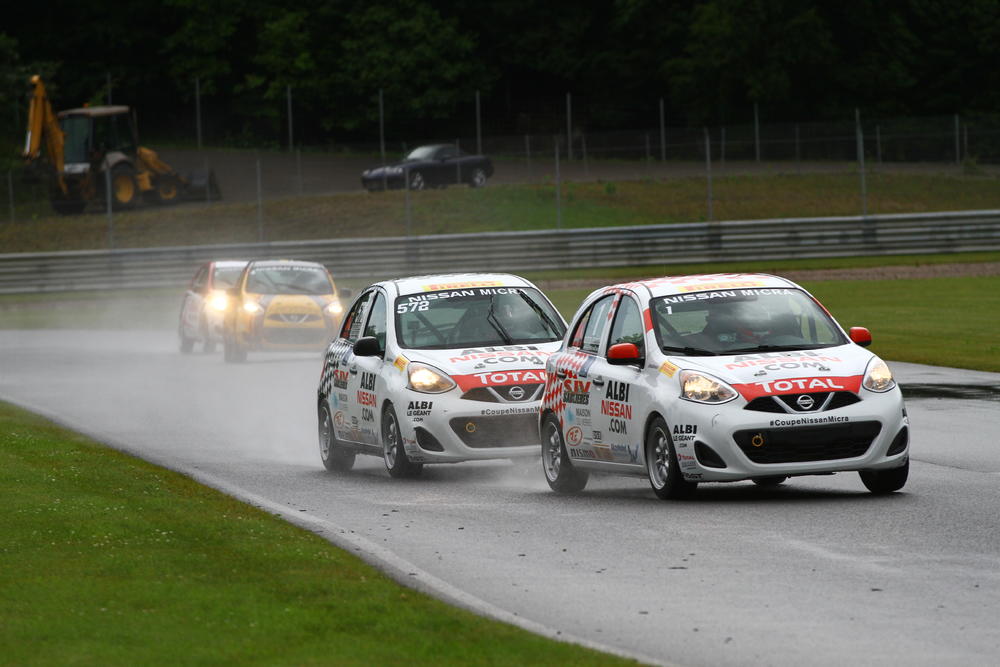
x,y
840,368
489,366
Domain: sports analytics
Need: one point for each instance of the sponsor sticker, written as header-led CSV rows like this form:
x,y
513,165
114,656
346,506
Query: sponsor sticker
x,y
668,369
574,436
400,363
434,287
754,390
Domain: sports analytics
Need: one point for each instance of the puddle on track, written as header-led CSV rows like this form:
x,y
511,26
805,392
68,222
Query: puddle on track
x,y
975,392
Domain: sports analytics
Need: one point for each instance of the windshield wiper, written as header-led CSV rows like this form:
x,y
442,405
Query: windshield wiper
x,y
492,319
775,348
689,351
541,313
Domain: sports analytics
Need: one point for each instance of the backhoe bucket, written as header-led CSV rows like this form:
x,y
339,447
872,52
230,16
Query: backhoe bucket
x,y
202,185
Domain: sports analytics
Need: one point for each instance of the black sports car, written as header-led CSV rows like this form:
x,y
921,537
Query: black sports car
x,y
434,166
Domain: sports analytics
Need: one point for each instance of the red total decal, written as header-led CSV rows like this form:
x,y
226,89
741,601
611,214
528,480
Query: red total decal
x,y
754,390
499,378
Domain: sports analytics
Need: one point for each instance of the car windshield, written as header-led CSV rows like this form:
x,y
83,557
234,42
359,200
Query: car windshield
x,y
422,153
225,277
288,280
476,317
742,321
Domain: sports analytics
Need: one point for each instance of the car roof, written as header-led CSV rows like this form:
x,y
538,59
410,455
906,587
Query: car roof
x,y
285,262
445,281
230,263
670,285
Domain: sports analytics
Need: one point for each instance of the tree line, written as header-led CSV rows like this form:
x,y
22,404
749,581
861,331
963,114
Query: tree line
x,y
709,60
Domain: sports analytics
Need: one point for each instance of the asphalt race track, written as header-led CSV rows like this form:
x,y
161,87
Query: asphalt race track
x,y
816,572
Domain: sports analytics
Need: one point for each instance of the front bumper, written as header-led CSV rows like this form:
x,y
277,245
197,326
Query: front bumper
x,y
453,429
377,182
729,443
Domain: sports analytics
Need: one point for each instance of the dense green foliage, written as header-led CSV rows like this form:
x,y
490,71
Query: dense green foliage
x,y
710,59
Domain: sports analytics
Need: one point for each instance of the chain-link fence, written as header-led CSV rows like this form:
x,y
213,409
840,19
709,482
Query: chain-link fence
x,y
555,180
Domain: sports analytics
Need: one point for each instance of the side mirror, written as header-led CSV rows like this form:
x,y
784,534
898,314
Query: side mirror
x,y
367,346
624,354
860,336
344,293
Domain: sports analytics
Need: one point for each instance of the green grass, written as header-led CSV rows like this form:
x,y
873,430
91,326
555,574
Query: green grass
x,y
941,321
510,207
108,559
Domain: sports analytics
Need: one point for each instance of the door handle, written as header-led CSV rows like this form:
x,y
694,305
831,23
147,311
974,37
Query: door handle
x,y
598,381
353,370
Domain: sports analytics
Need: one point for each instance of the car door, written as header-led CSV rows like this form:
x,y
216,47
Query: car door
x,y
618,388
366,387
194,301
345,385
580,397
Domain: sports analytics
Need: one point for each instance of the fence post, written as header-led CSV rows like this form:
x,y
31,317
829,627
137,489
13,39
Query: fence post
x,y
107,194
406,197
291,137
649,157
878,144
558,192
569,127
798,150
965,141
958,149
527,155
10,192
479,128
708,172
197,110
756,132
260,206
663,134
458,163
859,136
298,168
722,147
381,138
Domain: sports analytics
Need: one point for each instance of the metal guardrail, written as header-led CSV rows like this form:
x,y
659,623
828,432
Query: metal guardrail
x,y
649,245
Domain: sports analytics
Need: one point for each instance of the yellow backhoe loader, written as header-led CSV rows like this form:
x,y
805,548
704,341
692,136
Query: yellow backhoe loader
x,y
83,147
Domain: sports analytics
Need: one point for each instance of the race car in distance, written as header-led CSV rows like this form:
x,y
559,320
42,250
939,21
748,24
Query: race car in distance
x,y
205,303
434,166
281,305
437,369
718,378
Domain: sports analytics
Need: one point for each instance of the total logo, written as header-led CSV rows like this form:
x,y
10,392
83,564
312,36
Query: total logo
x,y
798,386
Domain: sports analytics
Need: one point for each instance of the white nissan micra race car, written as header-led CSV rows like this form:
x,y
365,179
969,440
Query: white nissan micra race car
x,y
718,378
437,369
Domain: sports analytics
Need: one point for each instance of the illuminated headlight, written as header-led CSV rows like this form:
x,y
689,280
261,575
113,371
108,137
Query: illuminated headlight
x,y
879,377
427,379
334,308
218,301
704,389
252,307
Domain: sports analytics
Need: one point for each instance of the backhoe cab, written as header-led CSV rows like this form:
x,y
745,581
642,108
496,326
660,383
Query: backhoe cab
x,y
85,146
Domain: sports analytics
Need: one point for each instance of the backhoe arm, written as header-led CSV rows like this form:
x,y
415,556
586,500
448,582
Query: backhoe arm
x,y
43,128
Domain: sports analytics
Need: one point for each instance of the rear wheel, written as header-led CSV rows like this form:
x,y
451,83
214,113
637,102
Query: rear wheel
x,y
166,190
559,471
661,465
396,461
335,457
881,482
417,181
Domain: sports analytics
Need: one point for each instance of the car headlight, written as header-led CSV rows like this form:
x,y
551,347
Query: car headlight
x,y
334,308
704,389
878,378
427,379
218,301
252,307
394,170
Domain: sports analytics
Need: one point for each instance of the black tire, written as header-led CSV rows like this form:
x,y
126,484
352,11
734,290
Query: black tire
x,y
233,352
770,481
124,189
559,471
335,457
661,464
166,190
477,179
881,482
416,181
187,344
393,454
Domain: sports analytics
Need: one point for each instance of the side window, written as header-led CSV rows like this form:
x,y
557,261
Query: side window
x,y
628,326
351,329
377,320
199,279
587,334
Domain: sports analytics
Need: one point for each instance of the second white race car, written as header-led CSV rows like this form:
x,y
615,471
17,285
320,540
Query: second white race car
x,y
437,369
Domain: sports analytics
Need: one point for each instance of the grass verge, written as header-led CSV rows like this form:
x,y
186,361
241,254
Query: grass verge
x,y
508,208
108,559
939,321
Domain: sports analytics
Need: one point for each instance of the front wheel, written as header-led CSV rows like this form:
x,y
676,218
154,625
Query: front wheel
x,y
417,181
881,482
233,352
396,461
559,471
124,190
335,457
478,178
661,465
